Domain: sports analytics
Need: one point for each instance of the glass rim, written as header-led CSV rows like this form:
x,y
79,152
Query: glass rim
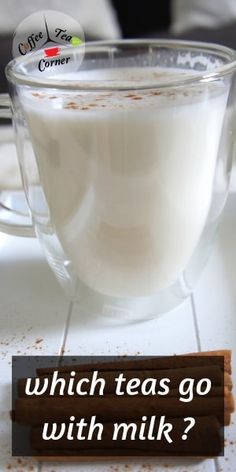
x,y
24,78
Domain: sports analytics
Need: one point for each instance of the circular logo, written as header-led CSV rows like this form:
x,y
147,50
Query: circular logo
x,y
47,31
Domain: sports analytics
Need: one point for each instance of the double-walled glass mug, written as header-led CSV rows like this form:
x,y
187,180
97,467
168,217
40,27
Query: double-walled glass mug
x,y
125,160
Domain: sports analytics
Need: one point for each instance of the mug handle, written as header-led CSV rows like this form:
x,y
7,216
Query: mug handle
x,y
13,222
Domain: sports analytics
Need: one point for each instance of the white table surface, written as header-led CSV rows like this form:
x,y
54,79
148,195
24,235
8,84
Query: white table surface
x,y
36,318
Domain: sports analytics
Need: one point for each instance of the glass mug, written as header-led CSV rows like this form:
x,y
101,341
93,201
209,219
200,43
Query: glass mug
x,y
125,161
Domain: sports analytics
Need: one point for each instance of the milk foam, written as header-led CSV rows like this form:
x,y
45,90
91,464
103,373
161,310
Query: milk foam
x,y
128,179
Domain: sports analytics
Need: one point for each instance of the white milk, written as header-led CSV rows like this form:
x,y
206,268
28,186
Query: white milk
x,y
128,179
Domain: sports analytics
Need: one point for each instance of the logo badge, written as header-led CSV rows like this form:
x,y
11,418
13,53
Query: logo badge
x,y
48,31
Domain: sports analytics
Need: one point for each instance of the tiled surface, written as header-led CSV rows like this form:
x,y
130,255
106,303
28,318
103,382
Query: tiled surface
x,y
152,337
33,313
36,318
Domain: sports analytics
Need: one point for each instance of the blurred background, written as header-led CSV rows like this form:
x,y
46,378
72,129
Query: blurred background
x,y
202,20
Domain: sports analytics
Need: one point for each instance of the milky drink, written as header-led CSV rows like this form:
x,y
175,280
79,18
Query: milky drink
x,y
128,178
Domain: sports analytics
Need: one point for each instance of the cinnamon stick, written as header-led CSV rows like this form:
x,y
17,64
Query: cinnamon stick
x,y
150,363
216,391
227,419
213,372
228,381
226,353
37,411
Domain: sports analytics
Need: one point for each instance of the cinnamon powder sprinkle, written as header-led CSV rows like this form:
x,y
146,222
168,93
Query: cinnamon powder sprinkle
x,y
38,95
130,95
71,106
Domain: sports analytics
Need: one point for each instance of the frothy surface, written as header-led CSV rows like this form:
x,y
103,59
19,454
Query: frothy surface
x,y
128,179
117,99
127,74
